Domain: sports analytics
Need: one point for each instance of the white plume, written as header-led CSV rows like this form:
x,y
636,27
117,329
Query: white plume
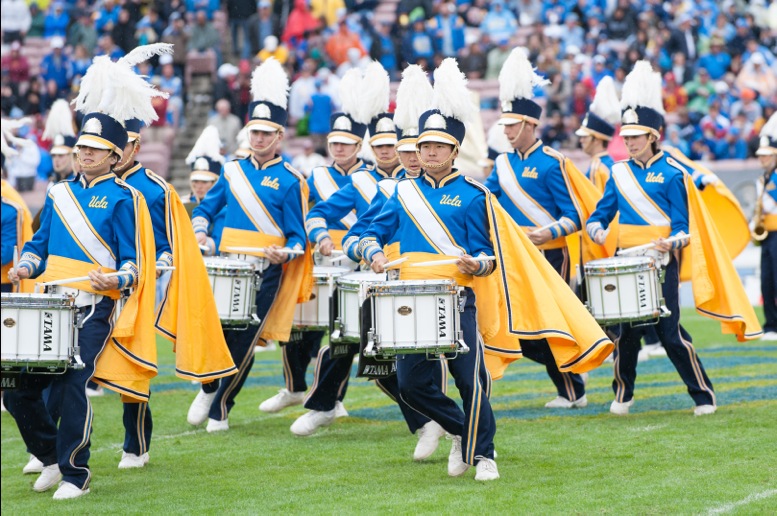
x,y
642,87
451,95
605,104
145,52
60,121
242,139
269,83
7,127
497,139
207,145
414,96
6,149
517,78
350,86
375,91
770,128
115,90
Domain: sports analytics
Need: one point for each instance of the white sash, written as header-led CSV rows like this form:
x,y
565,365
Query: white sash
x,y
74,219
426,221
365,184
388,186
246,196
629,187
509,183
326,186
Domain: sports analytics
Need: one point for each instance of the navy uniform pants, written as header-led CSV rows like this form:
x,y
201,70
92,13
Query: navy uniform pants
x,y
414,418
68,444
769,280
677,343
421,391
241,345
568,385
298,353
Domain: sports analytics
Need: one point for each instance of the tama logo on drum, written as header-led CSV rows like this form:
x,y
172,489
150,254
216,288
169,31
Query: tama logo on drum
x,y
642,291
237,291
442,319
48,330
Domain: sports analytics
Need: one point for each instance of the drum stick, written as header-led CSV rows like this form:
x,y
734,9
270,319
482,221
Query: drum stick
x,y
394,263
204,248
636,249
338,258
245,250
543,228
165,268
451,261
84,278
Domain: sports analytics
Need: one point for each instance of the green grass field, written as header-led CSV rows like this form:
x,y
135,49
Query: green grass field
x,y
659,460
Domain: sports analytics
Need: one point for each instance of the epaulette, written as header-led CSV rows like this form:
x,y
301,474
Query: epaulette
x,y
553,153
157,179
294,171
673,162
477,184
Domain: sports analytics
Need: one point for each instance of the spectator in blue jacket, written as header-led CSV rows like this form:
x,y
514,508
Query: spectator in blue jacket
x,y
320,109
448,30
56,66
56,21
107,16
418,43
209,6
716,61
500,22
733,146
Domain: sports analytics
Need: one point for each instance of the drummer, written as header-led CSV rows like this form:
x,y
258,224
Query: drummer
x,y
59,129
251,189
16,224
649,193
344,143
100,200
531,183
458,204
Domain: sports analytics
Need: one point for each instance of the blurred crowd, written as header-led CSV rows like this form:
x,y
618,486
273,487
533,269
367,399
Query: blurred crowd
x,y
717,57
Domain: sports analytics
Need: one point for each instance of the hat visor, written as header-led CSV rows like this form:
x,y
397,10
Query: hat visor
x,y
582,132
407,147
508,121
200,175
265,128
60,151
90,142
341,138
435,138
633,131
384,140
766,151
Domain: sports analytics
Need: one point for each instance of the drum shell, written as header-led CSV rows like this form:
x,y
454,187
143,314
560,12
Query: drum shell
x,y
416,317
234,290
39,331
314,314
623,290
351,290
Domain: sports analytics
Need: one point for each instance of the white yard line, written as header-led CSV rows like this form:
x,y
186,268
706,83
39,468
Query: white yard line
x,y
745,501
648,428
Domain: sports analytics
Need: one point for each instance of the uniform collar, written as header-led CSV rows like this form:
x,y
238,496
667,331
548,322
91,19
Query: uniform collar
x,y
137,166
599,155
96,180
651,161
359,164
394,172
534,147
444,181
267,164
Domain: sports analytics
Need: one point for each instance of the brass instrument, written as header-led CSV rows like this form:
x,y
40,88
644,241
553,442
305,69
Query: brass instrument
x,y
759,233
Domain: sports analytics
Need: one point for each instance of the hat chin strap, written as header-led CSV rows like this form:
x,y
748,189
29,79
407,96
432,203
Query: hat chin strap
x,y
635,155
264,150
99,163
384,162
353,154
514,140
438,166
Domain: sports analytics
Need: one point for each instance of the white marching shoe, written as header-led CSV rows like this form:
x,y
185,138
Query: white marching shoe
x,y
486,470
130,460
649,351
340,410
94,393
284,398
561,402
704,410
621,409
770,336
214,425
33,466
456,465
68,491
49,477
308,423
198,411
428,439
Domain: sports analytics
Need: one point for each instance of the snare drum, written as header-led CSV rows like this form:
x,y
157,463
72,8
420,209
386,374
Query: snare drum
x,y
624,289
234,288
314,314
336,260
351,293
421,316
39,332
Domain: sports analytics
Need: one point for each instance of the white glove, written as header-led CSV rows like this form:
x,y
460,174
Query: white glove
x,y
709,179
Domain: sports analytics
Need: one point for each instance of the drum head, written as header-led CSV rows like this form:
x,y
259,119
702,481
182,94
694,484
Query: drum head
x,y
621,263
357,278
222,262
324,271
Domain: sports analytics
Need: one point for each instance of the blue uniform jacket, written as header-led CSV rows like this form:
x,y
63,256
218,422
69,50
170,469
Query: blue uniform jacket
x,y
10,225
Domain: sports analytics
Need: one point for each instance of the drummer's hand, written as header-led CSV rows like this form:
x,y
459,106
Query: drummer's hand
x,y
202,238
662,245
102,282
211,245
378,261
600,237
540,237
274,255
326,246
17,274
467,265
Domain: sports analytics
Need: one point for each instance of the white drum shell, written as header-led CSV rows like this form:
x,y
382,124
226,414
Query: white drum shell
x,y
232,282
415,317
623,289
38,330
351,291
314,314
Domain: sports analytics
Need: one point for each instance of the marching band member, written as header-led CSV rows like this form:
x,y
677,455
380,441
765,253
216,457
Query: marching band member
x,y
597,130
59,129
454,207
656,199
16,225
344,142
265,200
766,225
93,224
206,161
532,184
